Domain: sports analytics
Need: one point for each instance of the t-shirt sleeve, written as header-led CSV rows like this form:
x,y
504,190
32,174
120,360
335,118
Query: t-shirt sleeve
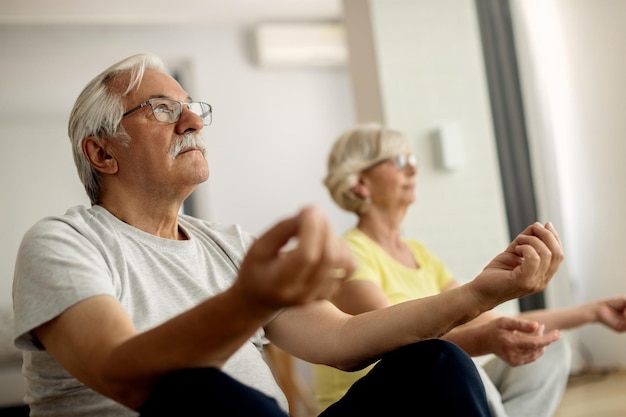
x,y
367,268
56,267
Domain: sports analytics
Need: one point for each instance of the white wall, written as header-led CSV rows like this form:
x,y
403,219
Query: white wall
x,y
575,95
266,148
432,73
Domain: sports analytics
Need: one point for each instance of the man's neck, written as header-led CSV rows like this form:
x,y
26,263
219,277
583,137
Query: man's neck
x,y
157,219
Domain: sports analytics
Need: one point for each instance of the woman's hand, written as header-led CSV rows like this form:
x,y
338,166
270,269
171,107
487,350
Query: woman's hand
x,y
611,312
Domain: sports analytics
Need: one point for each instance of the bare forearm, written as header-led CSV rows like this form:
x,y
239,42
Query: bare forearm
x,y
562,319
205,336
470,339
472,336
416,320
355,341
123,364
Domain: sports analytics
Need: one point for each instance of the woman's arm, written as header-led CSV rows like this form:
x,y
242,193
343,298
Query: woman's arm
x,y
610,312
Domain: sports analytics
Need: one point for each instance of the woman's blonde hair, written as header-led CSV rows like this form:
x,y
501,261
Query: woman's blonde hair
x,y
355,151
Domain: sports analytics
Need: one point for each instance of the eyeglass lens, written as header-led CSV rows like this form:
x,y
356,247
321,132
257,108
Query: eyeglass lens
x,y
169,111
401,161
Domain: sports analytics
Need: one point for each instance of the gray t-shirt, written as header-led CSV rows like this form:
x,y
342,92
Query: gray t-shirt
x,y
86,252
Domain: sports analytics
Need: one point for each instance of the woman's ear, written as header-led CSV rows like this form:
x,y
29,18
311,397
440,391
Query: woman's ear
x,y
361,190
99,156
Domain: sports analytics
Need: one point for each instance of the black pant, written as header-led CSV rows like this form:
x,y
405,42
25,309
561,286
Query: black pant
x,y
430,378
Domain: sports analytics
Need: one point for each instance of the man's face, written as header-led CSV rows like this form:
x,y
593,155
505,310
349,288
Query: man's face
x,y
148,162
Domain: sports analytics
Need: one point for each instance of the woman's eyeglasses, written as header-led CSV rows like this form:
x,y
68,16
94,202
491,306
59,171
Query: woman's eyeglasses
x,y
400,161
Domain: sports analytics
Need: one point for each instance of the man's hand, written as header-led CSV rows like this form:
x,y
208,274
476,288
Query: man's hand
x,y
517,341
297,261
525,267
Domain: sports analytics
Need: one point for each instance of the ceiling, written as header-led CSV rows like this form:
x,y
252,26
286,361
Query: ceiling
x,y
214,12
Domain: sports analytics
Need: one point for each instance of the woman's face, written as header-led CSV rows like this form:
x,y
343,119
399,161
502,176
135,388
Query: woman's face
x,y
391,183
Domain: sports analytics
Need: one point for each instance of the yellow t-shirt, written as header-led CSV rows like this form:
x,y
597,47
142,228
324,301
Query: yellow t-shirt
x,y
399,283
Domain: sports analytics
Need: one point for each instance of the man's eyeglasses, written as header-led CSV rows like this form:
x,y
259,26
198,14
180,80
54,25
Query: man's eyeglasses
x,y
166,110
400,161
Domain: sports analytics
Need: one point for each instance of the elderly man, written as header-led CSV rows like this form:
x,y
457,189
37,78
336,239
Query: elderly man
x,y
128,307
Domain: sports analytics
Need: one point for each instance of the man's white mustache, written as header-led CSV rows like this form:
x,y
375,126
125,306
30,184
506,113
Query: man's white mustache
x,y
188,140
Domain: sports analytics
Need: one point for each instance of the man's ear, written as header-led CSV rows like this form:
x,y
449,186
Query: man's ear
x,y
99,155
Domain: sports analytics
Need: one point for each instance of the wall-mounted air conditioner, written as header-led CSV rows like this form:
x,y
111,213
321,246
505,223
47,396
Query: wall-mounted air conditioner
x,y
303,45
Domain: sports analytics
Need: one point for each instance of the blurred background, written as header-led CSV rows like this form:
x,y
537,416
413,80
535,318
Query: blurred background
x,y
511,104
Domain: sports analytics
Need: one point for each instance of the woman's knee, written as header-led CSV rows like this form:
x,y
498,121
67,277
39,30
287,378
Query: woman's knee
x,y
559,355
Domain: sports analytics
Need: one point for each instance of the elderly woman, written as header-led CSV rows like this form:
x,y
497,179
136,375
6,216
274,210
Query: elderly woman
x,y
372,173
